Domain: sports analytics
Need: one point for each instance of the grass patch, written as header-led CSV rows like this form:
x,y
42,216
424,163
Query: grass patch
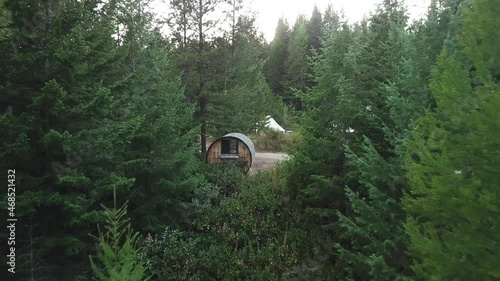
x,y
272,141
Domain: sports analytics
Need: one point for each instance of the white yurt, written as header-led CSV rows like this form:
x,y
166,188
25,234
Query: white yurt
x,y
273,125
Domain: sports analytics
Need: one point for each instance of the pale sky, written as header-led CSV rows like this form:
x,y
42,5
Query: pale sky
x,y
268,12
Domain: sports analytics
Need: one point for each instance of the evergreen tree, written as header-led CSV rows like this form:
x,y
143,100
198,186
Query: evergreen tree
x,y
234,18
315,29
296,64
317,171
453,200
377,242
60,64
331,19
315,35
377,239
85,114
194,60
156,110
439,29
152,108
180,23
380,58
202,10
274,68
246,97
118,252
360,73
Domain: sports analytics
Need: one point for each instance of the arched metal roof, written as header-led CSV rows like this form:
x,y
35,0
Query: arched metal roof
x,y
244,139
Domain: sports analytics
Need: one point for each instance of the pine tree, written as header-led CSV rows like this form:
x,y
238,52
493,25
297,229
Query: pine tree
x,y
297,63
453,200
234,17
380,58
331,19
118,256
439,29
60,65
377,242
202,10
87,113
315,30
377,239
317,170
274,68
179,22
315,34
246,98
362,72
150,109
164,171
194,60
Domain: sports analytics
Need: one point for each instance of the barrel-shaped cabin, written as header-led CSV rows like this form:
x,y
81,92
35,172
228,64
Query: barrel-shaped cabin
x,y
232,147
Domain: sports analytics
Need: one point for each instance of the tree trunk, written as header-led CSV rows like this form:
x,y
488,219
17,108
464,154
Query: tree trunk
x,y
201,99
203,106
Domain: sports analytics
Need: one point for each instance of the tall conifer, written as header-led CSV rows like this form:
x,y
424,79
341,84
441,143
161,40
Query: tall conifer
x,y
454,198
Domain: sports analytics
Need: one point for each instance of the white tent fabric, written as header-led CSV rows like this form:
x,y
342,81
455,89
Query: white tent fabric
x,y
273,125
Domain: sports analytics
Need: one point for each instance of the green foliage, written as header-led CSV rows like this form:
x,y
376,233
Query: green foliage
x,y
275,65
317,171
85,113
257,228
223,75
288,69
4,21
253,234
347,173
480,38
226,176
117,250
391,177
451,160
160,149
269,140
297,64
246,97
57,105
453,198
174,256
377,241
315,29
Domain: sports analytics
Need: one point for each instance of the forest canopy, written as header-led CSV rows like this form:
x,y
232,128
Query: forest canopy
x,y
107,106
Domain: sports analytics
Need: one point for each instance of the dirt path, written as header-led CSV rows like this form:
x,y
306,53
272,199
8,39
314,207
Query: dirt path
x,y
266,160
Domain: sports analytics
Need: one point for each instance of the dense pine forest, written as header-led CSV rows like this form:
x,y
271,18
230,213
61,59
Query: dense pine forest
x,y
106,108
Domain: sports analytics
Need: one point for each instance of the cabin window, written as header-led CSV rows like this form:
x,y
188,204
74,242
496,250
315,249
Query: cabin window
x,y
229,146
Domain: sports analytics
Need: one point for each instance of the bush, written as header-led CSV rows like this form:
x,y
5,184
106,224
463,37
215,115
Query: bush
x,y
273,141
226,176
174,255
253,235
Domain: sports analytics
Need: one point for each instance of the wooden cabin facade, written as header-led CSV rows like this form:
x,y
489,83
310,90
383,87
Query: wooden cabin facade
x,y
232,147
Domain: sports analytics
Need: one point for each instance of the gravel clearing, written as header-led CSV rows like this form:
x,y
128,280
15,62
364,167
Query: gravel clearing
x,y
266,160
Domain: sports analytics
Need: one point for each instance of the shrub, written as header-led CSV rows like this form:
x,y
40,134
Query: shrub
x,y
226,176
174,255
273,141
252,235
